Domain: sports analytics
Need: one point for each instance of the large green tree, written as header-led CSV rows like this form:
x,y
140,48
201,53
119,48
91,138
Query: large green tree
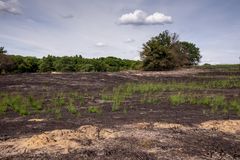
x,y
165,52
192,52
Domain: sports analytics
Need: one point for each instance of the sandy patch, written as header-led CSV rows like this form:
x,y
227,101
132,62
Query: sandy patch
x,y
59,141
227,126
56,72
179,72
143,125
36,120
159,125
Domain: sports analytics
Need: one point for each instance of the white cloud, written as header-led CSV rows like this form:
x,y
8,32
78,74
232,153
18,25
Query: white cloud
x,y
129,40
139,17
100,44
10,6
158,18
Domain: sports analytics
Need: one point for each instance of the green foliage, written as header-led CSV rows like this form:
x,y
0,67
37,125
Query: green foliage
x,y
15,102
35,104
94,109
2,50
77,97
166,52
217,102
20,64
25,64
59,100
19,104
46,64
6,63
177,99
202,101
106,97
58,112
122,92
86,68
235,106
71,107
192,52
118,98
148,99
3,104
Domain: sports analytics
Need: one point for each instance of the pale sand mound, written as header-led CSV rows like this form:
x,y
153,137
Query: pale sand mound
x,y
227,126
143,125
91,137
168,125
67,137
36,120
60,140
157,125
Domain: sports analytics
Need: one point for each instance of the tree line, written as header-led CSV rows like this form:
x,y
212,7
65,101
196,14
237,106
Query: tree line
x,y
162,52
21,64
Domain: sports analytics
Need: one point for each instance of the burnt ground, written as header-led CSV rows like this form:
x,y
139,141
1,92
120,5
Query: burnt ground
x,y
144,131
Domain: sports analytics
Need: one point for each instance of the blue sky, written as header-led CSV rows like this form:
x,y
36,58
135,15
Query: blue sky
x,y
96,28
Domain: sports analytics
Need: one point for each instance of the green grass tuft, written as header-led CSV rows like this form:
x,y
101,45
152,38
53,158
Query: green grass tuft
x,y
95,109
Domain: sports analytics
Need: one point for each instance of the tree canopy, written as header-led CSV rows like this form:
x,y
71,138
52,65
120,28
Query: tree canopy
x,y
21,64
166,52
6,63
162,52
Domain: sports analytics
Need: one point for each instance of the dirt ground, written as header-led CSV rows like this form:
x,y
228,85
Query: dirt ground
x,y
145,132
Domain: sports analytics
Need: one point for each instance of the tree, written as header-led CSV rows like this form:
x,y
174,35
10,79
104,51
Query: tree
x,y
158,53
6,63
165,52
46,64
2,51
65,64
192,52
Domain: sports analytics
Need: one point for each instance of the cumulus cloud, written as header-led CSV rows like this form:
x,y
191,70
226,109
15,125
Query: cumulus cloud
x,y
10,6
139,17
100,44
